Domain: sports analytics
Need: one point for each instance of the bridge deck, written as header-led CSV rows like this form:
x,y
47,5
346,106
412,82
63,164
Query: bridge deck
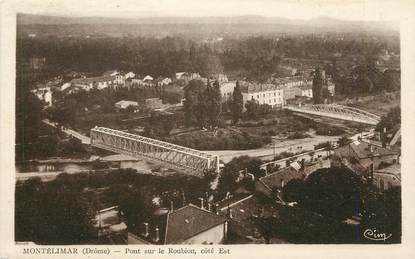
x,y
170,155
338,112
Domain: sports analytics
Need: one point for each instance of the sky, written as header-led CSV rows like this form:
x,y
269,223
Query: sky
x,y
373,10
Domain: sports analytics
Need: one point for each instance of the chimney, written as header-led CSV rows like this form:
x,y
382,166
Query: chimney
x,y
209,206
371,148
157,237
201,203
217,209
146,233
171,206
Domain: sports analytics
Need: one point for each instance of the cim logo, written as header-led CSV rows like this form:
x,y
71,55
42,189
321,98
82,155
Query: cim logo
x,y
373,234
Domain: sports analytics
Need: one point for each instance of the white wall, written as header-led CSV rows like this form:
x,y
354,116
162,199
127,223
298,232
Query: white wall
x,y
214,235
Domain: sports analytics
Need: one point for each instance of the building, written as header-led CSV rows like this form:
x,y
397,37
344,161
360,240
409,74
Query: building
x,y
386,178
99,82
187,225
226,89
273,183
263,93
121,105
129,75
187,76
363,158
148,78
164,81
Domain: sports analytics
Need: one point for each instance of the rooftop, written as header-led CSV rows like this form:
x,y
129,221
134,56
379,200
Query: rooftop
x,y
189,221
90,80
275,179
364,150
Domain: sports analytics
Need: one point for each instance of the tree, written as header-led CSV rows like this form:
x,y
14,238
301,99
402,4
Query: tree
x,y
202,106
332,192
28,119
388,122
191,92
237,103
252,109
214,104
294,190
59,214
317,86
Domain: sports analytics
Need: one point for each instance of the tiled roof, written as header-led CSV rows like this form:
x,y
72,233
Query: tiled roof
x,y
189,221
363,150
275,179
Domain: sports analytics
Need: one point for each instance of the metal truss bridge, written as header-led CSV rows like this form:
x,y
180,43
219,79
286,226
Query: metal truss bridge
x,y
338,112
169,155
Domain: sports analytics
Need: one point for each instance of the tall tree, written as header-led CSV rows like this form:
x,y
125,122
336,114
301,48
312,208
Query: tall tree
x,y
202,106
215,104
317,86
237,104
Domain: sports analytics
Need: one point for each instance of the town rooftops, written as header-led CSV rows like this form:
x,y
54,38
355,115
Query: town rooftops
x,y
364,150
91,80
189,221
280,177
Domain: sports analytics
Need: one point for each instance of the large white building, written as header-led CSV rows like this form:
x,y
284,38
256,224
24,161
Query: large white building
x,y
263,93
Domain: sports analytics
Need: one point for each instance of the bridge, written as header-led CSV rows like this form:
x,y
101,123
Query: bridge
x,y
338,112
169,155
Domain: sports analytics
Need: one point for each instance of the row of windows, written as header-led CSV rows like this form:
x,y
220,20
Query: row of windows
x,y
269,95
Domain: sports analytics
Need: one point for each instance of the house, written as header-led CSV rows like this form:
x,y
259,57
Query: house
x,y
363,157
387,177
187,225
306,91
129,75
148,78
121,105
276,181
164,81
226,89
262,93
187,76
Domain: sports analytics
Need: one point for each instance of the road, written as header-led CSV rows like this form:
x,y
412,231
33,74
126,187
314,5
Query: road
x,y
267,153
